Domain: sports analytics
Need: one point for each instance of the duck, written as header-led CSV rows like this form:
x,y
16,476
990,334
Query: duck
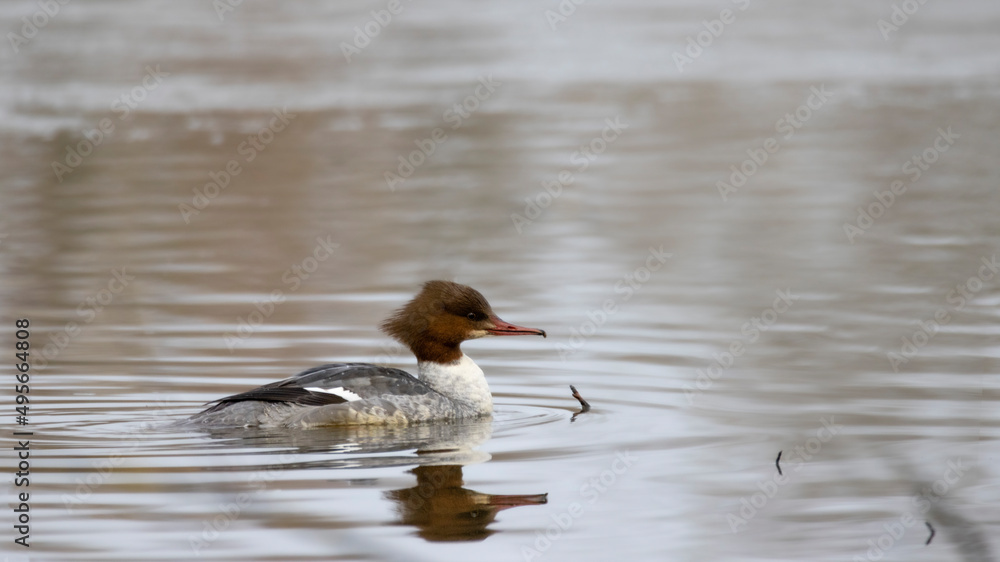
x,y
448,384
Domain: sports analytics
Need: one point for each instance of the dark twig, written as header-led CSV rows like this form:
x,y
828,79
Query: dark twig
x,y
777,463
584,405
933,532
576,394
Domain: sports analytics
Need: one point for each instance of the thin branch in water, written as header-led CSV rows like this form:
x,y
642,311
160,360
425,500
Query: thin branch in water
x,y
584,405
576,394
777,463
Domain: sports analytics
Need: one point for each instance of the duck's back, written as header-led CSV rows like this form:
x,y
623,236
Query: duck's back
x,y
334,394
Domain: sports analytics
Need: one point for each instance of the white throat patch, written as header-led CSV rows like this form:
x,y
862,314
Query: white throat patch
x,y
462,381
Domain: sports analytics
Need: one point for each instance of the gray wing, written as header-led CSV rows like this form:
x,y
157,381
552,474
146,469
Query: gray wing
x,y
361,379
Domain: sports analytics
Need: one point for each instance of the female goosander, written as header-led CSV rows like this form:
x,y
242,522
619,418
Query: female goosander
x,y
449,384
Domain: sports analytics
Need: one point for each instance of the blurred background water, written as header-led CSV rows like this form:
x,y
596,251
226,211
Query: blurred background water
x,y
748,226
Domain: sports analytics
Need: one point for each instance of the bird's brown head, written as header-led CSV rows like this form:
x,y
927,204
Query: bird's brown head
x,y
443,315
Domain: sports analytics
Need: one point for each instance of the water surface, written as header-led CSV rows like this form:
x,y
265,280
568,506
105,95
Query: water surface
x,y
801,312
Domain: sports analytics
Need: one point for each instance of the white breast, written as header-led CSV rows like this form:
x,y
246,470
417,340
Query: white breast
x,y
462,381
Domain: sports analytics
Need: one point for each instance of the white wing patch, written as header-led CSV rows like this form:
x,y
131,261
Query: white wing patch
x,y
339,391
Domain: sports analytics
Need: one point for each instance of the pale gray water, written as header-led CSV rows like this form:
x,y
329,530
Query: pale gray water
x,y
687,465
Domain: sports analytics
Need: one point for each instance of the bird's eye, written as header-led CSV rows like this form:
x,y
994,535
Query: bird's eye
x,y
472,316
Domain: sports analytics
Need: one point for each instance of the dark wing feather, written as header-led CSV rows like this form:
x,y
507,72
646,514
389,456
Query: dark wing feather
x,y
368,380
290,395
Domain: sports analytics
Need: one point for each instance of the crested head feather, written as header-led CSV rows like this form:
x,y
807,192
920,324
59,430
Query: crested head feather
x,y
434,323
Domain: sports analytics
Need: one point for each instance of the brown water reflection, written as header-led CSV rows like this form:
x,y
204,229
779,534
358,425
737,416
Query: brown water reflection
x,y
443,510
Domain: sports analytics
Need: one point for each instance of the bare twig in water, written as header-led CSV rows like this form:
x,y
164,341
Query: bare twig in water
x,y
933,532
576,394
584,405
777,463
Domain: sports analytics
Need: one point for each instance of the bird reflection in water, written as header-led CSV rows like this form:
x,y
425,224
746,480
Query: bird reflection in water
x,y
438,506
442,510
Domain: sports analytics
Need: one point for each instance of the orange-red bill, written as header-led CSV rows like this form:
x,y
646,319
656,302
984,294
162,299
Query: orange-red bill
x,y
501,328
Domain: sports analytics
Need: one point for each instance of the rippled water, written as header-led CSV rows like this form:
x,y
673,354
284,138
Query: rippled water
x,y
710,325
